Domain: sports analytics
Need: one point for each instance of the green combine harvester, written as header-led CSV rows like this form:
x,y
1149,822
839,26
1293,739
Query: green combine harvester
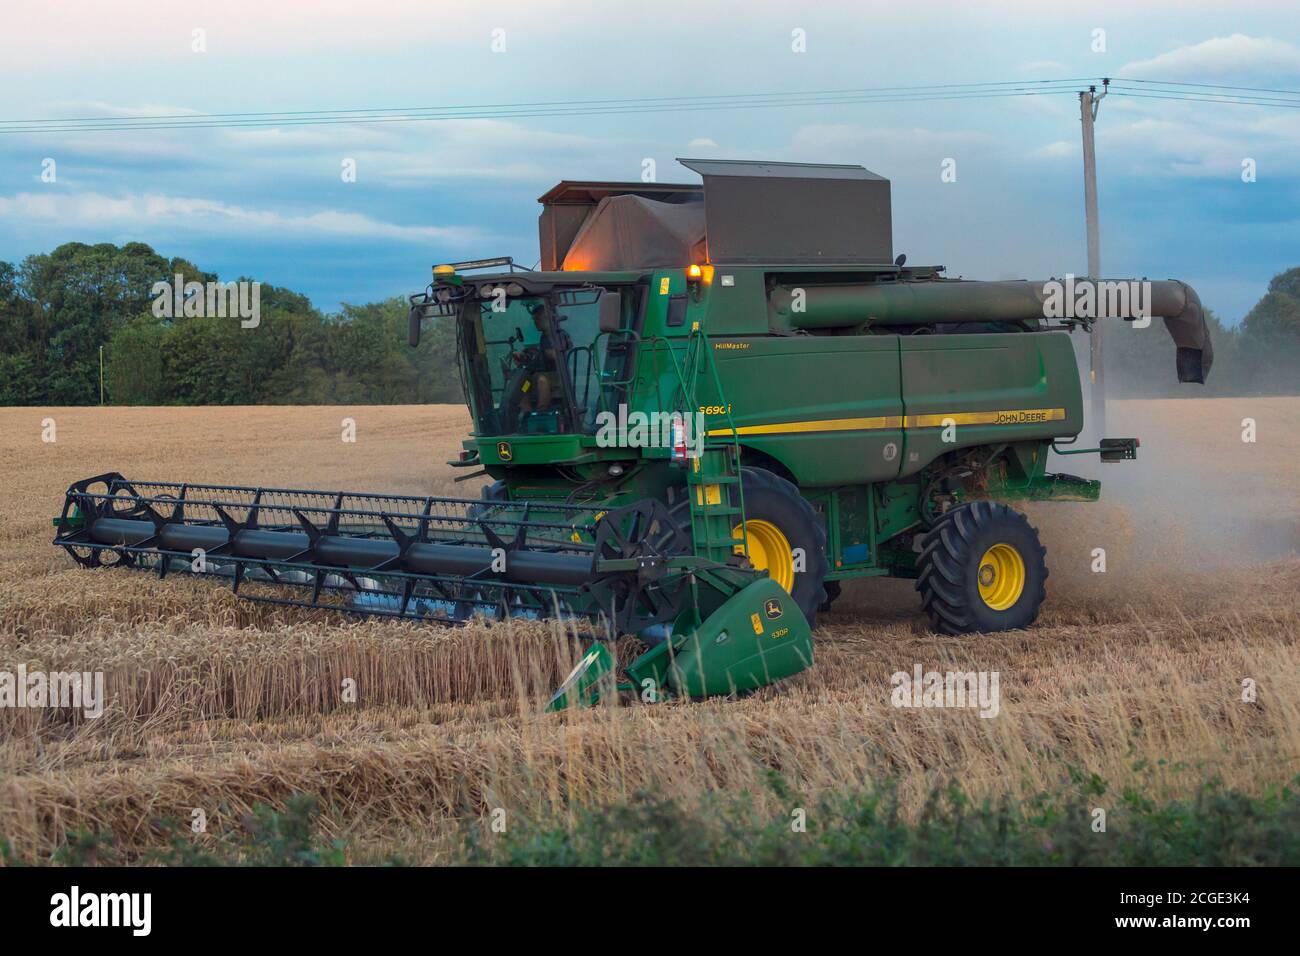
x,y
711,406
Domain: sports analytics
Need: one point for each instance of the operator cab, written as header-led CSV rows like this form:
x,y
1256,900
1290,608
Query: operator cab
x,y
538,354
523,392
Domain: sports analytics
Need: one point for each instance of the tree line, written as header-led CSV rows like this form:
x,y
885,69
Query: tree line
x,y
1258,356
57,309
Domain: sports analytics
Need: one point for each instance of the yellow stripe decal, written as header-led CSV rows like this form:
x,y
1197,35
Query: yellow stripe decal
x,y
830,425
1013,416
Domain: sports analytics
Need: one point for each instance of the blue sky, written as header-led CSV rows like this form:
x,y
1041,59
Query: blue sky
x,y
270,203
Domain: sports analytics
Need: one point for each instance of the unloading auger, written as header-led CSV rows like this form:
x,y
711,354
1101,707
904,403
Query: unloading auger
x,y
832,414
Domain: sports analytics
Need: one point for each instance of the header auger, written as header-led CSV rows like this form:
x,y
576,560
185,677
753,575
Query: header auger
x,y
713,405
448,561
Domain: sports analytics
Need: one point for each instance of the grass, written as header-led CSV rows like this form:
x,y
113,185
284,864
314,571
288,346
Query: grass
x,y
1133,677
1216,827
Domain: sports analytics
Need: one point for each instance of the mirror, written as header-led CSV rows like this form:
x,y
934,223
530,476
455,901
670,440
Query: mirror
x,y
413,326
610,309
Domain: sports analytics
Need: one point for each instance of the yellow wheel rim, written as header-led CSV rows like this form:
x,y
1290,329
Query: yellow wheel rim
x,y
1001,576
769,550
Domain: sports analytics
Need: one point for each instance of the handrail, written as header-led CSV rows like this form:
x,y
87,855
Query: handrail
x,y
697,363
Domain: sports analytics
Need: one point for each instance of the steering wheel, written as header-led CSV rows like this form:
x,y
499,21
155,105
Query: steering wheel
x,y
529,357
514,393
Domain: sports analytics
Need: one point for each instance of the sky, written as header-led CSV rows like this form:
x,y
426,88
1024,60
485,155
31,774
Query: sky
x,y
273,204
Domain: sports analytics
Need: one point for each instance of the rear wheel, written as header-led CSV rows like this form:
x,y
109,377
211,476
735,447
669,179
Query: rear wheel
x,y
982,568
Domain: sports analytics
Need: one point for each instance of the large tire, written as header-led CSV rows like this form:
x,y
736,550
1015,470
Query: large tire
x,y
981,568
773,503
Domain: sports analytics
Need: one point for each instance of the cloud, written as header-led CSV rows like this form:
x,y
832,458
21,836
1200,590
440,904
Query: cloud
x,y
99,108
1058,149
1044,66
481,149
270,165
166,215
100,34
849,139
902,154
1236,57
1165,138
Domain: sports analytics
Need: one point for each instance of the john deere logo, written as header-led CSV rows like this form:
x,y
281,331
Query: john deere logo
x,y
503,450
772,608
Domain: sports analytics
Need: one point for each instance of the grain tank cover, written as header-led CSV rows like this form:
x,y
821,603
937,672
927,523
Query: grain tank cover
x,y
567,207
632,232
797,213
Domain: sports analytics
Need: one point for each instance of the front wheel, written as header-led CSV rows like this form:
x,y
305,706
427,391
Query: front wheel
x,y
785,534
786,537
982,568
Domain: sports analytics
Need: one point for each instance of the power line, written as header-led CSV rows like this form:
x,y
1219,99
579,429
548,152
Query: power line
x,y
881,95
1208,86
1193,92
430,114
930,93
431,117
955,87
1199,98
1208,93
1226,97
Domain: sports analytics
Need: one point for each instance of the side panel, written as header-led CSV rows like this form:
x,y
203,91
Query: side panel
x,y
828,408
994,388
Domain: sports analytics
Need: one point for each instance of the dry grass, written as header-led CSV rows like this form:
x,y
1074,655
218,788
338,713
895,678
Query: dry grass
x,y
219,704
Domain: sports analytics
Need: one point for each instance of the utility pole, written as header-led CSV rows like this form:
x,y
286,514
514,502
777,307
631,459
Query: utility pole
x,y
101,375
1088,103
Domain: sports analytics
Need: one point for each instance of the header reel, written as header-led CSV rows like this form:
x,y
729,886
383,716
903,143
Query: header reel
x,y
444,560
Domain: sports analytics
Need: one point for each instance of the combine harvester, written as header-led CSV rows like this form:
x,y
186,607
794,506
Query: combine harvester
x,y
818,411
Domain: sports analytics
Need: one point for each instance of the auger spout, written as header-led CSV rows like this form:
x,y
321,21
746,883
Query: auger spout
x,y
956,301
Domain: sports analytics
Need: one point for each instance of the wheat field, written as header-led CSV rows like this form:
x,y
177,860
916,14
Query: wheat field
x,y
1135,674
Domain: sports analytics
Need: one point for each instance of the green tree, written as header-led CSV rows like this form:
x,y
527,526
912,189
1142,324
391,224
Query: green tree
x,y
1270,336
136,367
21,374
79,296
1140,361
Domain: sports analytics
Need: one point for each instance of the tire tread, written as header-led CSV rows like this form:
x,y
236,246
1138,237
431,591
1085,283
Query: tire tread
x,y
946,549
